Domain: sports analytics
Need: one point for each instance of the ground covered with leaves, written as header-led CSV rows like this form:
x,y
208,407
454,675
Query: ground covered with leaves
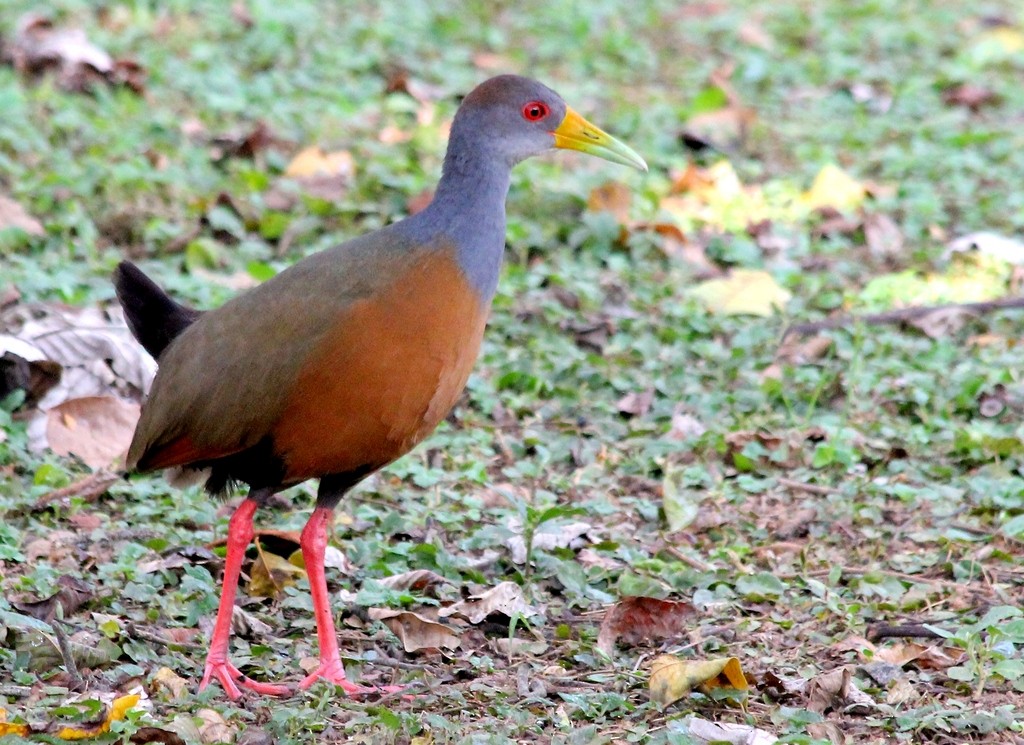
x,y
655,515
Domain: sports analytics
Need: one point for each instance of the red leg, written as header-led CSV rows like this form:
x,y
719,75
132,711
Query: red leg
x,y
240,534
314,543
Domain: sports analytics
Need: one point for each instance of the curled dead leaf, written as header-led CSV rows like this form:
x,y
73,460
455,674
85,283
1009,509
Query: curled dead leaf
x,y
835,690
271,574
416,632
672,678
169,680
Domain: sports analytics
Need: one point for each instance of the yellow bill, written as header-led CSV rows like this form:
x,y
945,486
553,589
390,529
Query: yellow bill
x,y
576,133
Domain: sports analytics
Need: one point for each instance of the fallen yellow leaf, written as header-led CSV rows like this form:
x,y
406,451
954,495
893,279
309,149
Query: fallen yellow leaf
x,y
672,678
271,574
744,292
833,187
11,729
118,709
312,161
167,678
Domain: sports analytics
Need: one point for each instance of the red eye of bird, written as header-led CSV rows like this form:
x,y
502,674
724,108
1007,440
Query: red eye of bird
x,y
535,111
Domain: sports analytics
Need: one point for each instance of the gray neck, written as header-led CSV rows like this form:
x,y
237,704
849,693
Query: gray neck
x,y
469,210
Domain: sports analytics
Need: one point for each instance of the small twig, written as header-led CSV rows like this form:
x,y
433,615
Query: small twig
x,y
809,488
902,631
136,633
76,683
7,689
88,488
694,562
902,315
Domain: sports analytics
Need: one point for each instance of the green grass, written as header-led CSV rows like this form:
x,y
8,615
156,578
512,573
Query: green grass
x,y
918,514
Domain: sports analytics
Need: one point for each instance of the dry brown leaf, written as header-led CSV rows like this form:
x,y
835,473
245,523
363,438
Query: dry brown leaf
x,y
505,599
415,631
672,678
635,620
72,595
245,143
685,426
613,197
971,96
97,429
835,690
13,215
39,46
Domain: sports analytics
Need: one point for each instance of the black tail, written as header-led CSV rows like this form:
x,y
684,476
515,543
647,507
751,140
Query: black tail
x,y
153,317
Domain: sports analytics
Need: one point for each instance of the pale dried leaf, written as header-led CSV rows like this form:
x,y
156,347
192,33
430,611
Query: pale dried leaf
x,y
505,599
97,429
214,728
419,579
726,732
636,403
883,236
1009,250
548,536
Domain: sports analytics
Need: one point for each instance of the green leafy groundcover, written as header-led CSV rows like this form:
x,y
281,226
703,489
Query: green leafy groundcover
x,y
817,489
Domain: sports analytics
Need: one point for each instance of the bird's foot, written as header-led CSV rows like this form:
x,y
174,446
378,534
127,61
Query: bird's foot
x,y
231,677
333,672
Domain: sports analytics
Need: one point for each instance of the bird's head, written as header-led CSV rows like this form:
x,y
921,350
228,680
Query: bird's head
x,y
515,117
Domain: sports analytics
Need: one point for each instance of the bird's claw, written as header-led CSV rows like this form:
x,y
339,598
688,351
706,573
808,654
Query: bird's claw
x,y
334,673
231,677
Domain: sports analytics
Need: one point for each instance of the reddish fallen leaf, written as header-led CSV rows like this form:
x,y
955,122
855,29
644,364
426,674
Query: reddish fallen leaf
x,y
416,632
613,197
634,620
72,595
970,95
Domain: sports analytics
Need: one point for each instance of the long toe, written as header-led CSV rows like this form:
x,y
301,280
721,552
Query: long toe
x,y
231,677
335,674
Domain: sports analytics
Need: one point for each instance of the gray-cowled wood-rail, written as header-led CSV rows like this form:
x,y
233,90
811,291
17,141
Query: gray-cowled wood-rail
x,y
345,361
